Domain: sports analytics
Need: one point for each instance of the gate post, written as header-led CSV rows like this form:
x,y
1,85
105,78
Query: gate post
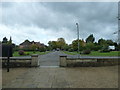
x,y
63,61
34,61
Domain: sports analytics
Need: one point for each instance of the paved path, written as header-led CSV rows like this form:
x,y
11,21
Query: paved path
x,y
50,59
82,77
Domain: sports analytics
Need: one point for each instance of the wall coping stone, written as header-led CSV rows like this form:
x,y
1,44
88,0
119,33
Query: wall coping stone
x,y
17,58
63,56
34,55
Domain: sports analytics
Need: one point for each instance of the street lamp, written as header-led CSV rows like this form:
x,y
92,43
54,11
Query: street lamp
x,y
118,22
78,40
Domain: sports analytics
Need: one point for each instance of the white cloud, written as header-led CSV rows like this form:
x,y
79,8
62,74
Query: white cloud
x,y
48,21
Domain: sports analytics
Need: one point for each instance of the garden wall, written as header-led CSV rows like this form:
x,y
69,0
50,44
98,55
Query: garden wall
x,y
86,62
21,61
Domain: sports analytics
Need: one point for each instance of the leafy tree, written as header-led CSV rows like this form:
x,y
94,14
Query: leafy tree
x,y
89,46
66,47
104,42
109,42
52,45
61,44
105,48
5,40
75,44
101,41
10,41
34,47
42,49
90,39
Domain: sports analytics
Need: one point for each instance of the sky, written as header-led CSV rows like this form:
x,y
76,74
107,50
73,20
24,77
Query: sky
x,y
47,21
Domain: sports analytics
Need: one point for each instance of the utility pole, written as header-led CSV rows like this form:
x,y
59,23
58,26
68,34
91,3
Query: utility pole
x,y
119,22
78,40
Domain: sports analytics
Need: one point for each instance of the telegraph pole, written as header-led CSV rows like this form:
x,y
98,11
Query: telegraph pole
x,y
119,22
78,40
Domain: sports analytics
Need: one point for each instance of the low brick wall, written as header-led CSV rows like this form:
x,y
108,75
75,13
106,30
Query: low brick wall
x,y
21,61
86,62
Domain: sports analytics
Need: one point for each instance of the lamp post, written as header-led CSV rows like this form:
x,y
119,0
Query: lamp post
x,y
78,40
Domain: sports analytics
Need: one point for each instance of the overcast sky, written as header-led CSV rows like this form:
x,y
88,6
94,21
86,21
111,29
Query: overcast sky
x,y
41,21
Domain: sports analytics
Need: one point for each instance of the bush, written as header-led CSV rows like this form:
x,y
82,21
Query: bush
x,y
28,54
97,47
105,49
42,49
21,52
71,50
86,52
89,46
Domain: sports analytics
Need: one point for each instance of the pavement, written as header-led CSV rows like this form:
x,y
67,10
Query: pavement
x,y
80,77
48,75
50,59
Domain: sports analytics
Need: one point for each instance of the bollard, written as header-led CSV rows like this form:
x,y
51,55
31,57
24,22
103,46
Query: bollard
x,y
35,61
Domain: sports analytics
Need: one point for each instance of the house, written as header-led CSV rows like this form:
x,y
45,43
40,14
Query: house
x,y
27,44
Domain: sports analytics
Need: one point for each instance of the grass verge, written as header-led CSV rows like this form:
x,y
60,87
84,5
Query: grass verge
x,y
96,53
28,53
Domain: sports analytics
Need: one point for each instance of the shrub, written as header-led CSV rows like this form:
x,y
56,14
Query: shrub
x,y
42,49
21,52
28,53
86,52
97,47
105,49
71,50
89,46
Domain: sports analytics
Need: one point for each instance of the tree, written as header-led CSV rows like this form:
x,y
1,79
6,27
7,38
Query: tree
x,y
90,39
34,47
10,41
109,42
105,44
42,49
66,47
61,43
5,40
89,46
102,42
75,44
52,45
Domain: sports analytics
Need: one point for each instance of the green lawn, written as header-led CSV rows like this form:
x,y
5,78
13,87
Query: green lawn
x,y
28,53
96,53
